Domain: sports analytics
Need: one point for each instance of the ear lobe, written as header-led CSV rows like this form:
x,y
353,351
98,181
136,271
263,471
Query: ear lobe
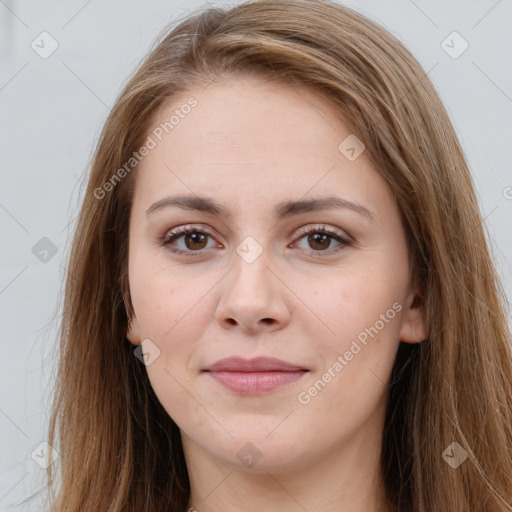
x,y
133,332
414,328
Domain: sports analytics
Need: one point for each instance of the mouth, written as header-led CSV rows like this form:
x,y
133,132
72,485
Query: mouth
x,y
255,376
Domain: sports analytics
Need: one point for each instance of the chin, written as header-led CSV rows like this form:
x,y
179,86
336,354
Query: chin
x,y
261,452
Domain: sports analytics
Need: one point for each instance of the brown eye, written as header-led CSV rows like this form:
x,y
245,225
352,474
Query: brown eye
x,y
193,241
189,241
196,240
319,241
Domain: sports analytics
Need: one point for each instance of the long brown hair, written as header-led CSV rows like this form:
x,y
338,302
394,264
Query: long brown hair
x,y
118,448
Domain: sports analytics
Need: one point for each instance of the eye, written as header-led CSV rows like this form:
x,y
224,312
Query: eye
x,y
320,238
194,240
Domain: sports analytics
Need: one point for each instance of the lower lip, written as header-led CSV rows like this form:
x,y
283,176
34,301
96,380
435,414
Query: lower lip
x,y
251,383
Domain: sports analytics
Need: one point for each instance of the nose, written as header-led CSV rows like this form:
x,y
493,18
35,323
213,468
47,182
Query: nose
x,y
254,298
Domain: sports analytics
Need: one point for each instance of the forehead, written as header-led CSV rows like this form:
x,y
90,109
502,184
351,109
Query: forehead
x,y
254,138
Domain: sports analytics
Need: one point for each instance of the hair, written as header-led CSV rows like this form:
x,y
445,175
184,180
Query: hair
x,y
118,448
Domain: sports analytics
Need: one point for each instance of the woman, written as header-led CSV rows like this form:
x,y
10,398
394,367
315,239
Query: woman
x,y
280,294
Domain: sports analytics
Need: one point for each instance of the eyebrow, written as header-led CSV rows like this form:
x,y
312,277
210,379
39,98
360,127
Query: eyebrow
x,y
281,210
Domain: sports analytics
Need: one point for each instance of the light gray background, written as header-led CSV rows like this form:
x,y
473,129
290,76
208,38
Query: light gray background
x,y
52,111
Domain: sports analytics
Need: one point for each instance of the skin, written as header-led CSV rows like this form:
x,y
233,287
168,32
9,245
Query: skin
x,y
249,145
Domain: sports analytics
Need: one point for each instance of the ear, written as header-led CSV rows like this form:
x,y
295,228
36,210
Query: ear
x,y
414,328
133,331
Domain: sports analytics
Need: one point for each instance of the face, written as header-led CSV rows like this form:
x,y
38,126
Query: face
x,y
287,247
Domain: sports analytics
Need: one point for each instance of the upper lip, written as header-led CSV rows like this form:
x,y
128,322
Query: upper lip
x,y
258,364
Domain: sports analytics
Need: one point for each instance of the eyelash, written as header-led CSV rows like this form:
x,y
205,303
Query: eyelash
x,y
177,233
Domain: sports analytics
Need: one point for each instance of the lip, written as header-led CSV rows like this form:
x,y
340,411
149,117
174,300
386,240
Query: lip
x,y
257,364
254,376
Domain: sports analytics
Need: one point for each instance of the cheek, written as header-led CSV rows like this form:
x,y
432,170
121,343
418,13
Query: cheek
x,y
356,361
171,314
165,302
175,311
361,315
351,302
